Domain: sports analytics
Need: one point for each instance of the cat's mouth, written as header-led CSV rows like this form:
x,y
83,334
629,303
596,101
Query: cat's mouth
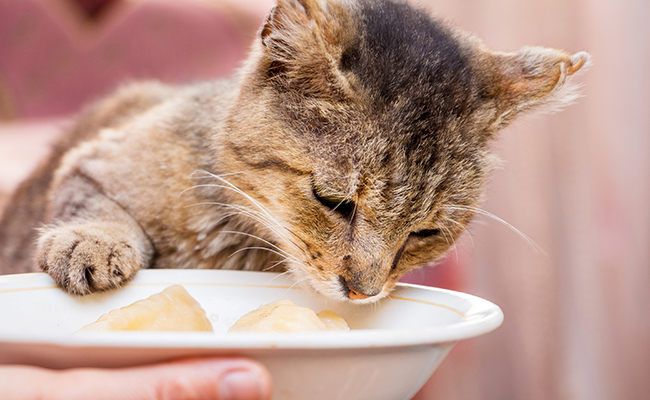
x,y
338,288
352,292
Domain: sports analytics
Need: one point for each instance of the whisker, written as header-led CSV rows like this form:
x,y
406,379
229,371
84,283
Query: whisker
x,y
453,242
258,213
296,283
354,210
284,253
281,274
471,238
278,228
257,248
275,265
210,175
229,186
445,236
237,190
480,211
297,237
243,211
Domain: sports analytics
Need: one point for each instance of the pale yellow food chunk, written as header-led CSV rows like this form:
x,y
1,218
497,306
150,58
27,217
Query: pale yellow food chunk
x,y
333,321
287,316
173,309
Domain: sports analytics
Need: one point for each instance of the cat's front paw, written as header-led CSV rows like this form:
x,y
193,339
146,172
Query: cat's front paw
x,y
89,257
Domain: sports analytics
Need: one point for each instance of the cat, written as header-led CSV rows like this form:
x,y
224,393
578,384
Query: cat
x,y
350,148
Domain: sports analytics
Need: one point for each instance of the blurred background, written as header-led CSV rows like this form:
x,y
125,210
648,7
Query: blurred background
x,y
577,318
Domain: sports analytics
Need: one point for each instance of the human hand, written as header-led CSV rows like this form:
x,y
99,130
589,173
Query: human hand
x,y
196,379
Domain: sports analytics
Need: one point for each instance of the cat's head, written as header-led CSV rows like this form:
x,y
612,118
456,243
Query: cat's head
x,y
363,127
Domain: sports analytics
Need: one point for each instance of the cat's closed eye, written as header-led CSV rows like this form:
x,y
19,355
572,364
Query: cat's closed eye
x,y
425,233
342,206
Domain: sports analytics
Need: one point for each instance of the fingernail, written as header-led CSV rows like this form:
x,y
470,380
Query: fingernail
x,y
241,385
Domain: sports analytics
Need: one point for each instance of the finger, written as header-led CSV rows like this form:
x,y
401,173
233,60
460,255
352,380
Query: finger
x,y
200,379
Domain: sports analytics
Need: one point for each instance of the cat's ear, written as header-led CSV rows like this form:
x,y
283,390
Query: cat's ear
x,y
293,22
301,40
534,77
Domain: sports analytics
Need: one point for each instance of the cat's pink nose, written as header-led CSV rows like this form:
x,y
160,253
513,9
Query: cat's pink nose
x,y
352,292
354,295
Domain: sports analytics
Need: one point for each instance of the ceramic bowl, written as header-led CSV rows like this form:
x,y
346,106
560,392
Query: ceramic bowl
x,y
392,349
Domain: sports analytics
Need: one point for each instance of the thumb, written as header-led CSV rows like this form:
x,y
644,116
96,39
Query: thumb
x,y
198,379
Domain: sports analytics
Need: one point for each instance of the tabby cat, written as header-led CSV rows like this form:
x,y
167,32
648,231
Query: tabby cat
x,y
350,148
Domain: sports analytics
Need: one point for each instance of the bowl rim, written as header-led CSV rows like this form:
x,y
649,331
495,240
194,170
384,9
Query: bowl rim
x,y
481,317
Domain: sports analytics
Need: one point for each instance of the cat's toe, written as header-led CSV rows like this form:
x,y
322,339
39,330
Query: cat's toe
x,y
98,266
82,261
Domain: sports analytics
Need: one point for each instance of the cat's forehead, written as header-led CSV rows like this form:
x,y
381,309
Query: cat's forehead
x,y
380,162
408,61
418,91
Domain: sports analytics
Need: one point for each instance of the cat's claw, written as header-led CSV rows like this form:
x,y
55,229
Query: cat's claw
x,y
88,257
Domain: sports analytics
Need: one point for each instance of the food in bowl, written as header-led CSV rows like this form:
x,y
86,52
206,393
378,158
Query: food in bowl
x,y
173,309
286,316
414,329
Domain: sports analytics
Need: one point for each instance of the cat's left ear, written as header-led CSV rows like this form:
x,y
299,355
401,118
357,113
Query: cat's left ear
x,y
534,77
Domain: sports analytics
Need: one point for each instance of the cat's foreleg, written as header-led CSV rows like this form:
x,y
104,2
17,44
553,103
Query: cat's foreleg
x,y
93,244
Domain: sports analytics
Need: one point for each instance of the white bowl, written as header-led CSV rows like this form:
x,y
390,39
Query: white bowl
x,y
392,350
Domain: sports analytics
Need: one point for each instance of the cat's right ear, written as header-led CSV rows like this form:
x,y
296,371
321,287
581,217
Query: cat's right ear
x,y
533,78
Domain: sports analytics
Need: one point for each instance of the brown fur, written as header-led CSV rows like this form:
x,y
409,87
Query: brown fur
x,y
342,151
